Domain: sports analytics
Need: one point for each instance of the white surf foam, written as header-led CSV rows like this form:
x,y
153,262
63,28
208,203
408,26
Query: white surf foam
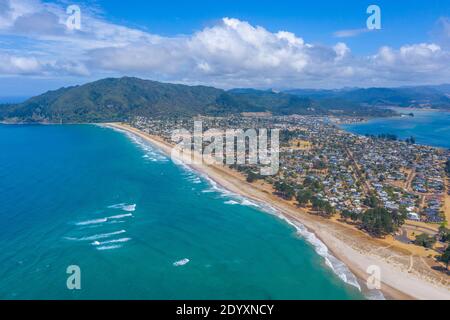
x,y
246,202
123,206
109,247
97,236
88,222
103,220
181,262
120,216
100,243
232,202
337,266
116,221
374,295
151,153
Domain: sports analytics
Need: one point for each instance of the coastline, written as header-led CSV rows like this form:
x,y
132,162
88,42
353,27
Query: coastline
x,y
400,271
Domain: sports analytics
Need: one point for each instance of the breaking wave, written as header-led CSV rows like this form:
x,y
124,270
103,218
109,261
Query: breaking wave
x,y
88,222
103,220
97,236
151,154
98,243
109,247
124,207
231,202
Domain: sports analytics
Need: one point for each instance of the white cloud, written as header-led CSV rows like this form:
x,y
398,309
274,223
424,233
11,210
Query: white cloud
x,y
231,53
348,33
341,50
10,64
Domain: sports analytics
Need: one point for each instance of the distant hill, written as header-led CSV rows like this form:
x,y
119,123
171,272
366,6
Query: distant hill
x,y
437,97
116,99
113,99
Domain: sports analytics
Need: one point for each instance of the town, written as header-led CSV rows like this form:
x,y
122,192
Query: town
x,y
379,183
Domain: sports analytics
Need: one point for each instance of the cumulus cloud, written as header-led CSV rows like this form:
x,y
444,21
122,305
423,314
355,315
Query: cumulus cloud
x,y
229,54
11,64
417,60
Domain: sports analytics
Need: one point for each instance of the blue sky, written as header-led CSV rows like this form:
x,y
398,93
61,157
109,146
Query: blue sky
x,y
263,44
316,21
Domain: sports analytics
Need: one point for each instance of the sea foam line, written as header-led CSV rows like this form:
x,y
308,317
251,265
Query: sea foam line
x,y
97,236
151,153
123,206
103,220
109,247
98,243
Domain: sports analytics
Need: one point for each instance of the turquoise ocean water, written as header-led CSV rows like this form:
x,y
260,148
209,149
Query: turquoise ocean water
x,y
428,127
109,203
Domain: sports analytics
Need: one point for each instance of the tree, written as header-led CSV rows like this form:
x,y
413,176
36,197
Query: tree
x,y
355,216
387,136
447,167
445,257
377,221
313,184
444,233
328,209
400,216
303,197
316,203
251,177
346,214
285,190
322,206
410,140
372,201
425,240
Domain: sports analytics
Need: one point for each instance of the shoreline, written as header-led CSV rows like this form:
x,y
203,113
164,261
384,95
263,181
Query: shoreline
x,y
353,248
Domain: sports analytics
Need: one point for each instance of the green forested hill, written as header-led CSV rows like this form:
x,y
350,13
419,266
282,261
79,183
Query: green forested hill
x,y
419,97
115,99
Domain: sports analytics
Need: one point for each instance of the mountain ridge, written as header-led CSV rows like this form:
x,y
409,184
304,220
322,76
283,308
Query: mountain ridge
x,y
118,99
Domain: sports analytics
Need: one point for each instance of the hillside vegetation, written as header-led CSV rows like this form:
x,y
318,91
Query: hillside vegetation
x,y
116,99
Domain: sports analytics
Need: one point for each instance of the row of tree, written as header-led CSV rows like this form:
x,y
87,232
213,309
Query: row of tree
x,y
284,190
410,140
445,257
376,221
384,136
424,240
428,241
391,137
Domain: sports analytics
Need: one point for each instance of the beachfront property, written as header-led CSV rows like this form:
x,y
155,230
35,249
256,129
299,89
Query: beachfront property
x,y
345,172
347,167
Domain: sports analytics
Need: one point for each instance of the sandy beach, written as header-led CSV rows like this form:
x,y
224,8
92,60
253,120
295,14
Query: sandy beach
x,y
405,272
